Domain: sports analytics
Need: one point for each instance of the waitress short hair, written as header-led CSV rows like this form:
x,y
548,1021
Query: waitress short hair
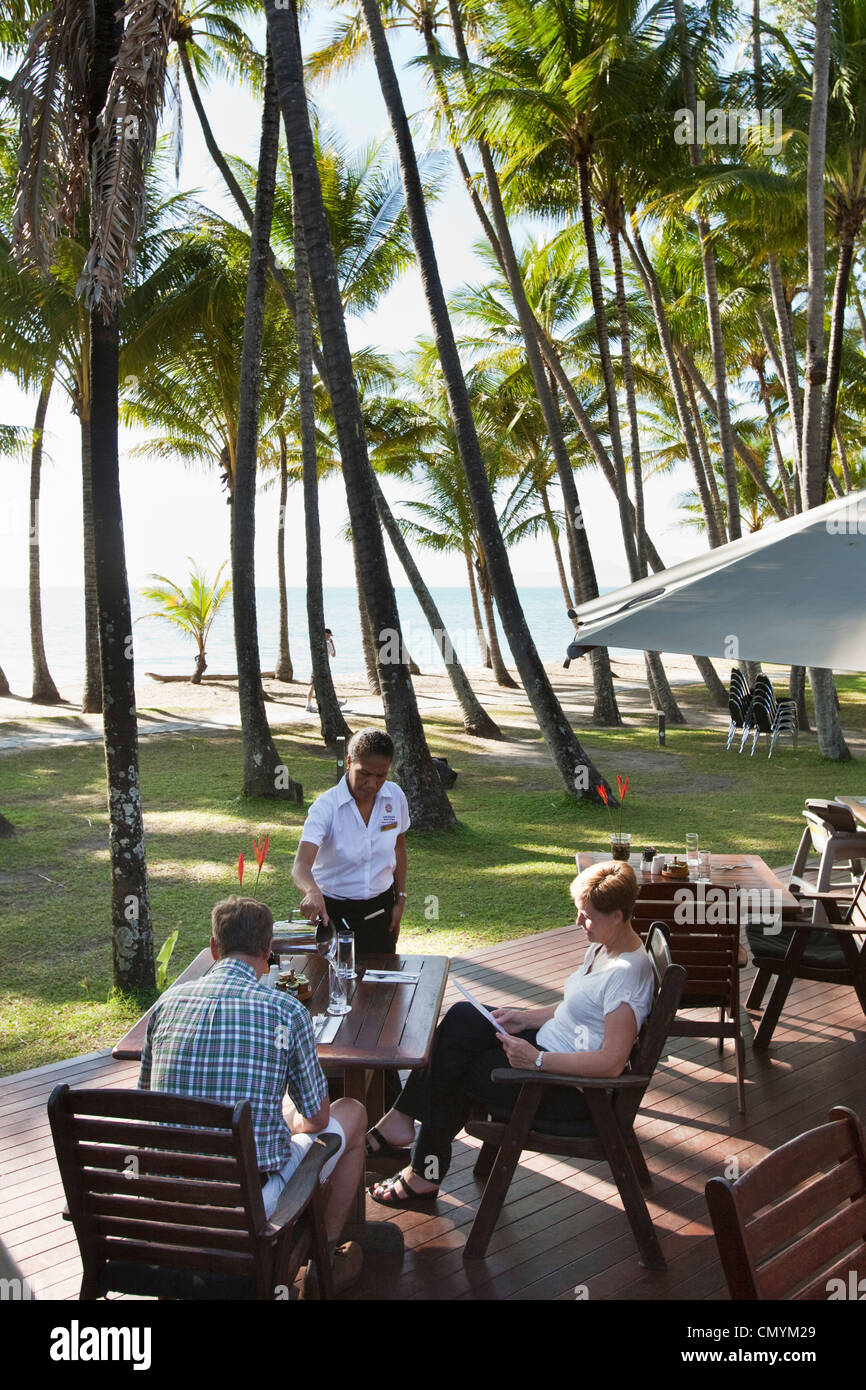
x,y
607,887
371,743
242,926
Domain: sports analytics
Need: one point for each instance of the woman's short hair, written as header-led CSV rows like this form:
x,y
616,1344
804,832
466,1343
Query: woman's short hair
x,y
242,926
371,743
607,887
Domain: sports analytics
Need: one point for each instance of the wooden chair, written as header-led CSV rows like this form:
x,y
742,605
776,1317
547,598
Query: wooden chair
x,y
831,953
165,1196
613,1103
709,955
797,1219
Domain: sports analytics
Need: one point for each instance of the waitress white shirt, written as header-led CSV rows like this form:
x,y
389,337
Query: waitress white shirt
x,y
578,1024
355,860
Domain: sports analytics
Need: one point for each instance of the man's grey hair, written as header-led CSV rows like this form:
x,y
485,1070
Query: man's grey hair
x,y
372,743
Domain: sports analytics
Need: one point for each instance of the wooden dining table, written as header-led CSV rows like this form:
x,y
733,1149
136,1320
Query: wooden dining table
x,y
390,1027
740,871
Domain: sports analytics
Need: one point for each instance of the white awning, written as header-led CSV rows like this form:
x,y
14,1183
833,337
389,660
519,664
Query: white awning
x,y
794,593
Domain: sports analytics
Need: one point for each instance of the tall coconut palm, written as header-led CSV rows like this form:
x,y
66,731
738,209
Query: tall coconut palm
x,y
429,806
574,767
84,73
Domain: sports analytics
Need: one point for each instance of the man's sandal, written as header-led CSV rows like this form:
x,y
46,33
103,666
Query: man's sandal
x,y
384,1149
396,1192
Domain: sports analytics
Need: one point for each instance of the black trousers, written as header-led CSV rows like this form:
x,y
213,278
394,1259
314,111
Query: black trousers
x,y
441,1095
370,921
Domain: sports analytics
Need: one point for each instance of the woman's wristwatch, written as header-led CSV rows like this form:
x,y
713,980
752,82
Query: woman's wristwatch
x,y
539,1059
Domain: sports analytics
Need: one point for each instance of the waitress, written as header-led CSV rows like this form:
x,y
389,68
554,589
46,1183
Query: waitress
x,y
351,862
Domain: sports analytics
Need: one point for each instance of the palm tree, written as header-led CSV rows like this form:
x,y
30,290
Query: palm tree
x,y
574,767
192,610
429,806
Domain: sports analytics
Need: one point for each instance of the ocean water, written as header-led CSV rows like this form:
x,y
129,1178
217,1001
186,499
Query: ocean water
x,y
158,646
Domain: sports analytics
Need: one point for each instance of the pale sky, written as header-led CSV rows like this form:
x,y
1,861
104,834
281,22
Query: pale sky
x,y
171,512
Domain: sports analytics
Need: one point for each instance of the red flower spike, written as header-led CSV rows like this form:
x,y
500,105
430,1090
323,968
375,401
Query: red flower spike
x,y
622,786
241,870
261,851
602,791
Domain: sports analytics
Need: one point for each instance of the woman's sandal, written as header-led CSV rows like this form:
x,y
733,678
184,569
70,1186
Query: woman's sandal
x,y
385,1149
396,1192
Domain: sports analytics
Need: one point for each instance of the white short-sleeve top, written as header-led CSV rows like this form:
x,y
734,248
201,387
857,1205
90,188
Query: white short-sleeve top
x,y
355,860
578,1024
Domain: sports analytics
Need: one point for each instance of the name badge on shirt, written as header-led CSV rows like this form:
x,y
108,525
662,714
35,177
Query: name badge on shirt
x,y
388,825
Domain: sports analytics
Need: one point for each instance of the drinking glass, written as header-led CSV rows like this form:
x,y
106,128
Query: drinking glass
x,y
326,945
704,864
346,954
692,851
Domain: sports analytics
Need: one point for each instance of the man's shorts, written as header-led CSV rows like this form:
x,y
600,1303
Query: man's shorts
x,y
300,1145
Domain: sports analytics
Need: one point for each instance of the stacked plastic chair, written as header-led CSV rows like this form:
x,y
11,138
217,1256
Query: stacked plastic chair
x,y
770,716
739,700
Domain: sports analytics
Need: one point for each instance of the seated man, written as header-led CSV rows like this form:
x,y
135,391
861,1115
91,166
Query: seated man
x,y
226,1037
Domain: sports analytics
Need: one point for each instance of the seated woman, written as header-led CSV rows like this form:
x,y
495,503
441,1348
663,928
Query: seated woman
x,y
590,1033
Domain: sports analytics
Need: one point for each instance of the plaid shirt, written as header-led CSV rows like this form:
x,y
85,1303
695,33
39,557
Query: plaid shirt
x,y
225,1037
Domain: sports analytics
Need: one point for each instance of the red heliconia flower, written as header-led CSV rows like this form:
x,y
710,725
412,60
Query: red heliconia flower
x,y
602,791
261,850
622,786
241,870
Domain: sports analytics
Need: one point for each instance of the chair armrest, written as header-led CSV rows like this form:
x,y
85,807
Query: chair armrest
x,y
302,1184
600,1083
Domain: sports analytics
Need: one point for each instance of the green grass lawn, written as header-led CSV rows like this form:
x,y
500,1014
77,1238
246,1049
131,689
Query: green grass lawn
x,y
502,873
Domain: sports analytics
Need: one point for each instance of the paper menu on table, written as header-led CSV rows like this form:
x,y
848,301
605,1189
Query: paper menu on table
x,y
480,1007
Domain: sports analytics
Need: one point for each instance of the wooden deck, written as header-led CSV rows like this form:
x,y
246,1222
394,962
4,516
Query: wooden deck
x,y
562,1229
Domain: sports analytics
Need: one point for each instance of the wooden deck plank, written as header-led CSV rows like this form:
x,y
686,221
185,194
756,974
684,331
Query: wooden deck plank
x,y
562,1225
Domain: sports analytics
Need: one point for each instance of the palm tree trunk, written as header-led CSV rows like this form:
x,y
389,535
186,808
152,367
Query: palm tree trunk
x,y
858,305
774,435
4,684
712,680
414,768
45,692
646,273
7,829
132,933
814,478
368,638
554,537
500,670
714,318
483,644
264,773
284,670
831,740
476,720
703,449
850,229
797,692
600,314
91,695
748,456
333,724
843,458
575,768
280,278
545,390
791,378
661,695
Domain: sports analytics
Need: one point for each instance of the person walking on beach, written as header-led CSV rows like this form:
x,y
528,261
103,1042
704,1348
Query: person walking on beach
x,y
311,693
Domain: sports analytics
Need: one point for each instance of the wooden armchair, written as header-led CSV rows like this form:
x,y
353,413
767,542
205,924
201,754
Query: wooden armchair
x,y
165,1196
797,1220
831,952
613,1103
709,954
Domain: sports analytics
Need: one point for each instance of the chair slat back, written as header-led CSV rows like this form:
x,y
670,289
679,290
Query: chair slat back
x,y
670,980
795,1219
706,950
161,1180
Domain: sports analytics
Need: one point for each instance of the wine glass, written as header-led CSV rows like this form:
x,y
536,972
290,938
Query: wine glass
x,y
326,945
